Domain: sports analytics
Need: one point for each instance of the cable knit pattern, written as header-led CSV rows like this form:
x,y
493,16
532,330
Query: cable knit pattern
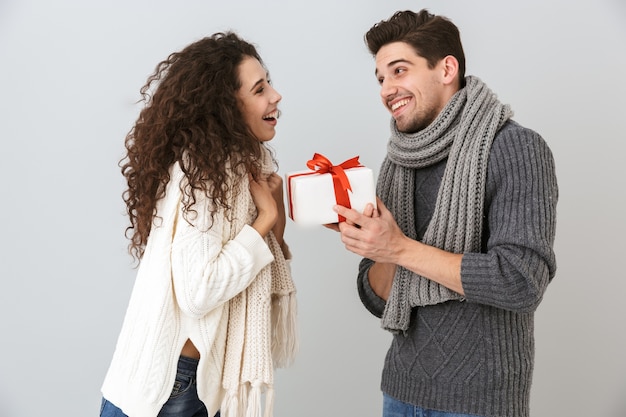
x,y
463,133
198,280
477,356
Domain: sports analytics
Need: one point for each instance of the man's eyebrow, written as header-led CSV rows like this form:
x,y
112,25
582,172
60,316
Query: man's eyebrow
x,y
392,63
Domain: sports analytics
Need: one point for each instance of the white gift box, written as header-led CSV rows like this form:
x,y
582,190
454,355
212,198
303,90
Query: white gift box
x,y
312,195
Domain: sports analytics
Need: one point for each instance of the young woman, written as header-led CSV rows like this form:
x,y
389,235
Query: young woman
x,y
212,309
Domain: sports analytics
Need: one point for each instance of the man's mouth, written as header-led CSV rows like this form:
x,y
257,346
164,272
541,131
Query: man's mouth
x,y
395,106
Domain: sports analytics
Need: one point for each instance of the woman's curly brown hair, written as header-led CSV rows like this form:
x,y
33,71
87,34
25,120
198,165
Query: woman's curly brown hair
x,y
191,116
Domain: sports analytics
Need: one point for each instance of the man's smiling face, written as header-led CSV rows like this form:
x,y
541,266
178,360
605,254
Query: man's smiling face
x,y
412,92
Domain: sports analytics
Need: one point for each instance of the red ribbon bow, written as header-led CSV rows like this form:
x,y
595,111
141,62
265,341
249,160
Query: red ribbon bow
x,y
322,165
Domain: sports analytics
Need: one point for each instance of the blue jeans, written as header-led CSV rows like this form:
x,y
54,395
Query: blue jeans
x,y
397,408
183,401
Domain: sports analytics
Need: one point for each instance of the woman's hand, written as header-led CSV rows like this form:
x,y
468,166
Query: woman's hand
x,y
275,183
267,210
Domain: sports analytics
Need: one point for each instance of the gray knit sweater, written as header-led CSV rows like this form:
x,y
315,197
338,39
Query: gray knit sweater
x,y
477,356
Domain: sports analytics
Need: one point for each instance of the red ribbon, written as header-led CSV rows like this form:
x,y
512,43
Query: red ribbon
x,y
322,165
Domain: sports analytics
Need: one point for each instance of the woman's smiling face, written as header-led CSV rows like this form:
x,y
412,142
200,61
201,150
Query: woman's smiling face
x,y
258,100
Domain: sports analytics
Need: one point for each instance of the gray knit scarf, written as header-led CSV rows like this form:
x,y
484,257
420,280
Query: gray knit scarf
x,y
462,132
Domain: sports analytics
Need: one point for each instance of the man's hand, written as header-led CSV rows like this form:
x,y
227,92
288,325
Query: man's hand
x,y
360,234
373,234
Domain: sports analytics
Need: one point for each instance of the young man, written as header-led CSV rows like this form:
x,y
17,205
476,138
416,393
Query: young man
x,y
459,252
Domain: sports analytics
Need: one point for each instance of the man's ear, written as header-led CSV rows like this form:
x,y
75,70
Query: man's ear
x,y
450,68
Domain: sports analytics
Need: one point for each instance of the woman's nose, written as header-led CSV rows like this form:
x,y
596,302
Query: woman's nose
x,y
276,97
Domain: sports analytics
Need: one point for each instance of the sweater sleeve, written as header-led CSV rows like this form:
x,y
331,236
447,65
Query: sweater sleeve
x,y
520,210
207,269
372,302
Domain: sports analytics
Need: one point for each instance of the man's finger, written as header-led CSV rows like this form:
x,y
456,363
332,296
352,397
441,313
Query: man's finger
x,y
352,216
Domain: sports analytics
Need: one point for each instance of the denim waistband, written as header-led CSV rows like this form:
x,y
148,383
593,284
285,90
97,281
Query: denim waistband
x,y
187,366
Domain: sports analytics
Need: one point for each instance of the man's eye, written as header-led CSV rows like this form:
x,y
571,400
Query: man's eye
x,y
380,80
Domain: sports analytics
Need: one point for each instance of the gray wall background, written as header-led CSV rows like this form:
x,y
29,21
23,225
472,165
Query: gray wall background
x,y
69,77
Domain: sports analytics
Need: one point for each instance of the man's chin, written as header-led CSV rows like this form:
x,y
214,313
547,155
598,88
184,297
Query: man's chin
x,y
406,129
409,128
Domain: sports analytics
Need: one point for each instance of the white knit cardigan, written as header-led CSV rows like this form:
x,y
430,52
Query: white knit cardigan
x,y
187,275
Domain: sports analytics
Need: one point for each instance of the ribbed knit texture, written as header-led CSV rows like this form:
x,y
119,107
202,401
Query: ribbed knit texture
x,y
261,327
477,356
463,133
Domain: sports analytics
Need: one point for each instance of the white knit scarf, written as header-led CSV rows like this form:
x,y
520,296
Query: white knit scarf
x,y
261,325
462,132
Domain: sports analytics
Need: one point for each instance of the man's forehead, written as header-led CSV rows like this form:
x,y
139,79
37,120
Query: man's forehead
x,y
392,57
397,51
